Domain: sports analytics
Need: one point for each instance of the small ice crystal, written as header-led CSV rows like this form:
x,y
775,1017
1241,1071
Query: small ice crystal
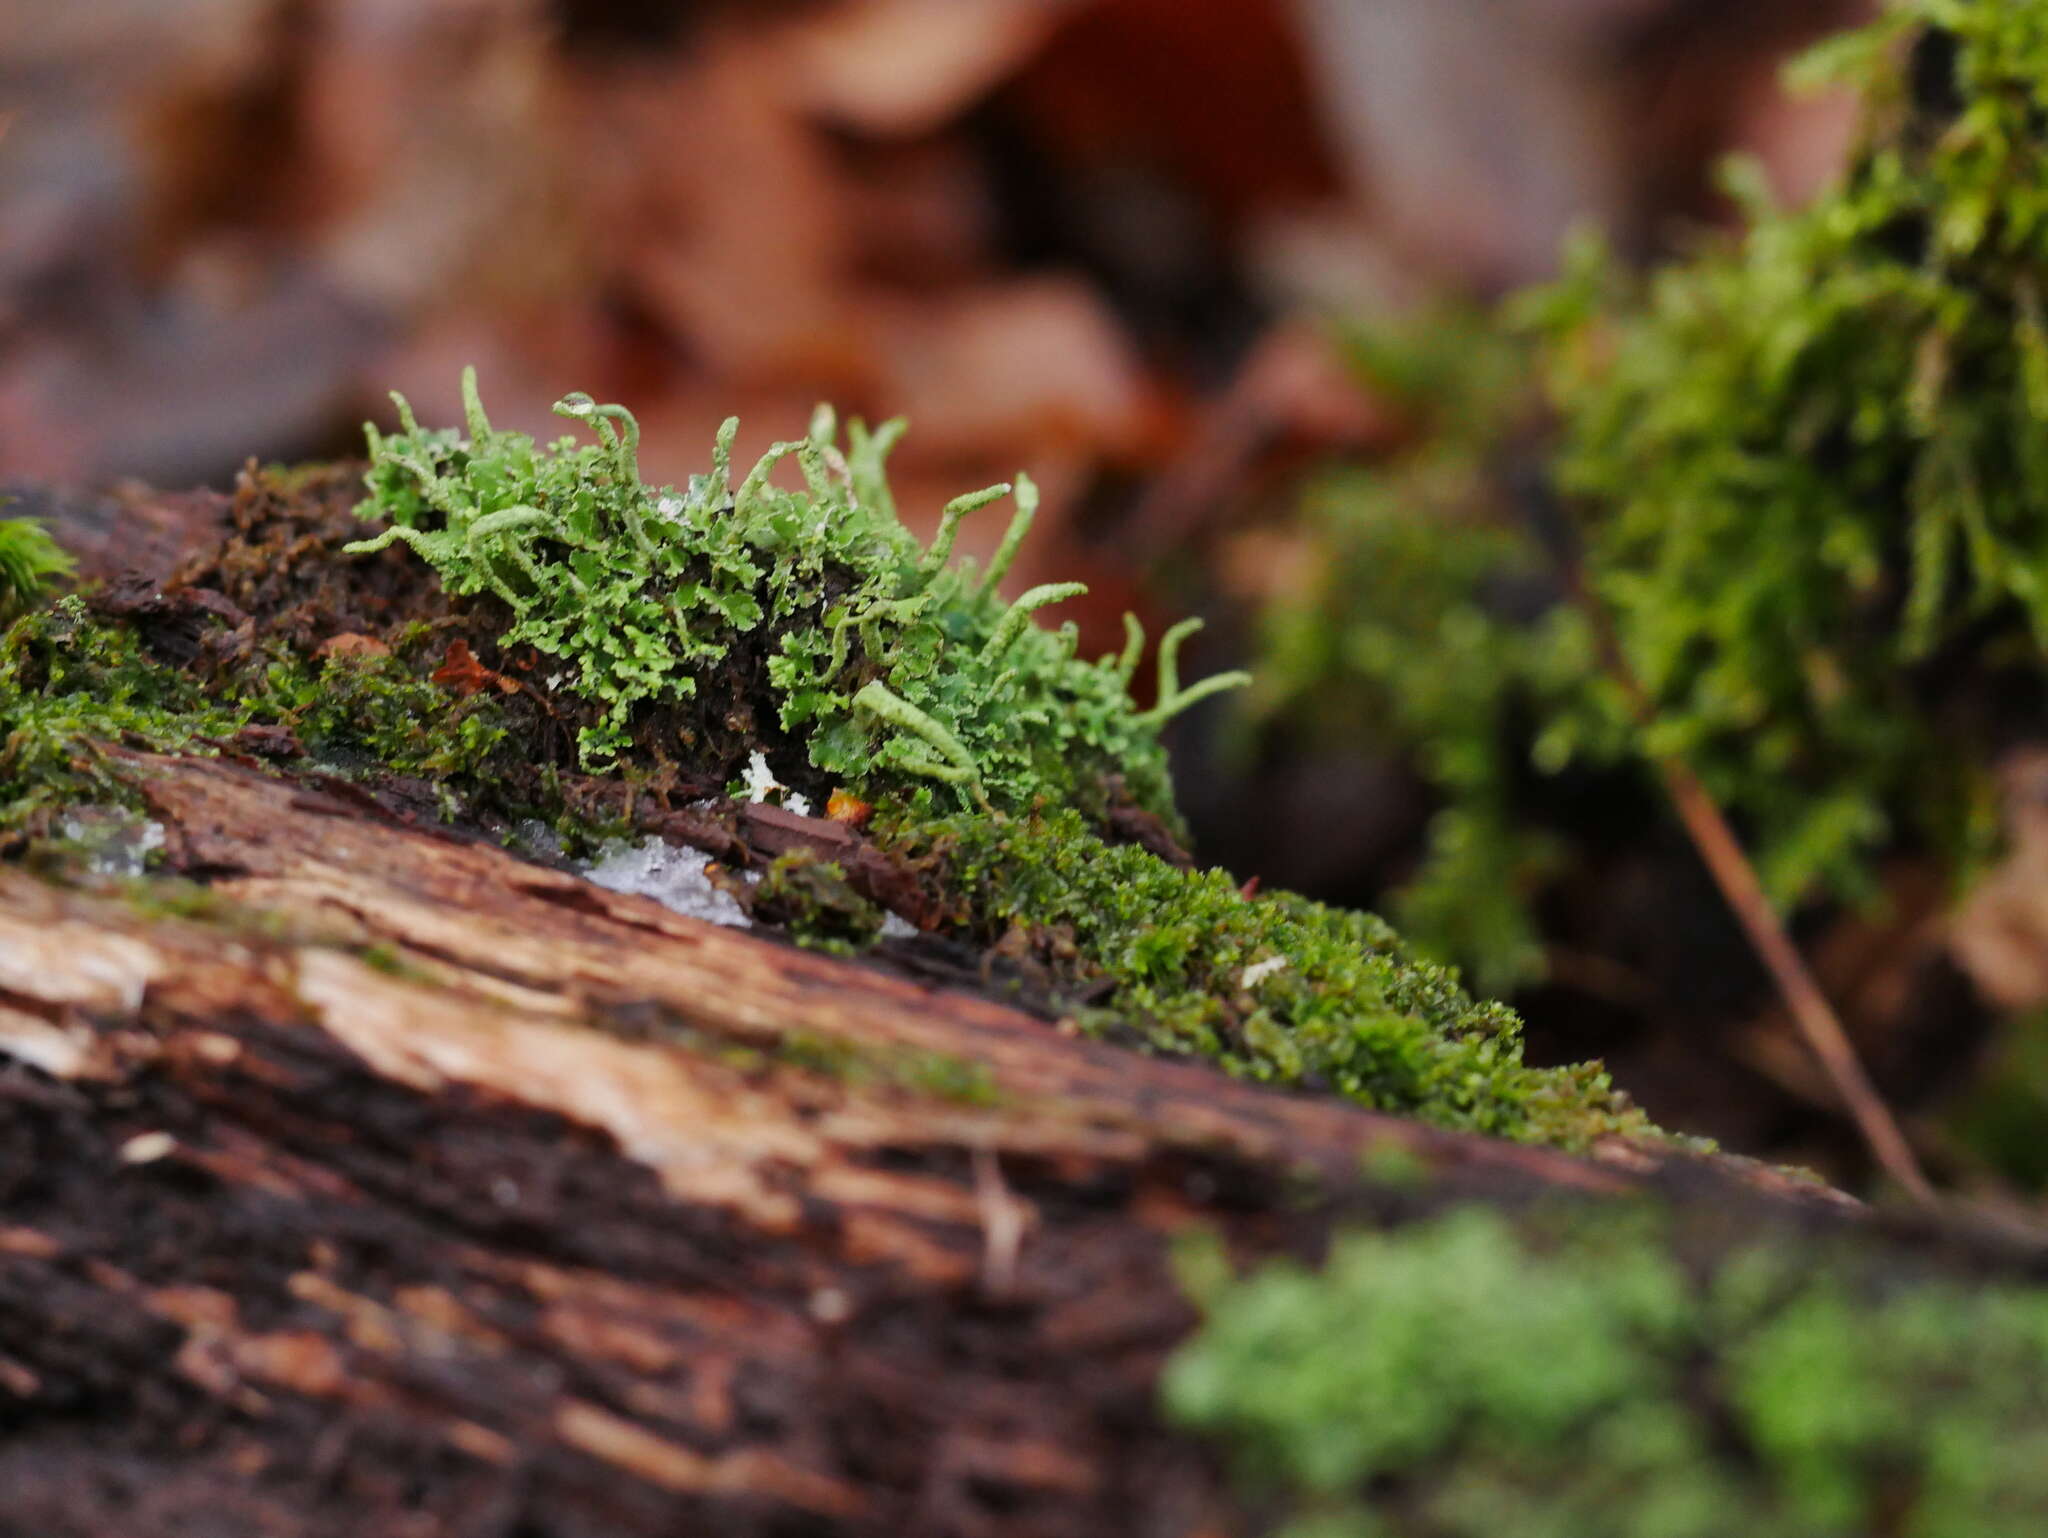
x,y
672,877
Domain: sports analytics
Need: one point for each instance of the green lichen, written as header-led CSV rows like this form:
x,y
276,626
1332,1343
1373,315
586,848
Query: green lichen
x,y
1273,988
1459,1378
814,608
1808,469
932,1075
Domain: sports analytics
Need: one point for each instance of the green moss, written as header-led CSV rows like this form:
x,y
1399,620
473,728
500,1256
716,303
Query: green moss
x,y
1273,988
1461,1379
1810,468
810,613
1818,460
695,609
30,561
70,680
935,1075
810,900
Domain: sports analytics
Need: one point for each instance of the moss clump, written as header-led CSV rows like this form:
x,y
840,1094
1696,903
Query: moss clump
x,y
810,900
1273,988
29,562
1459,1379
810,615
1810,468
276,643
1817,462
70,679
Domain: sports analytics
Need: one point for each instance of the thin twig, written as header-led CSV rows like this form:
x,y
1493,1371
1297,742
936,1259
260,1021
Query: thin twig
x,y
1733,873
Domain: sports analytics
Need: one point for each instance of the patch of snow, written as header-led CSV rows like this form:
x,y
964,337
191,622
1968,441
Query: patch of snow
x,y
672,877
896,927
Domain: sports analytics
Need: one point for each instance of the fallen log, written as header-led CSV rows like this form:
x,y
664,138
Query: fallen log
x,y
389,1183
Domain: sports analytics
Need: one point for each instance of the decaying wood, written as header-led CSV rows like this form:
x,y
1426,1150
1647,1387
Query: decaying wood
x,y
409,1188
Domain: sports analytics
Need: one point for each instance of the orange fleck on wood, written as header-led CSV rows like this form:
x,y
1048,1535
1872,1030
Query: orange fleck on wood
x,y
851,810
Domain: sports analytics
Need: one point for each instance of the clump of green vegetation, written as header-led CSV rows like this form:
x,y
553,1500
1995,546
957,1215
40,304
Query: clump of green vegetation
x,y
1458,1379
715,609
30,561
1809,469
70,679
811,900
1273,988
889,665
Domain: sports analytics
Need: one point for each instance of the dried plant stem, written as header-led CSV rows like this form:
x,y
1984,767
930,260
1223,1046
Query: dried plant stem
x,y
1730,866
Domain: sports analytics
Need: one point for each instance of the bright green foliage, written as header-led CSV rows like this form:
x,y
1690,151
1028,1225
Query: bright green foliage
x,y
1273,988
65,681
29,562
1818,460
1810,469
68,680
1457,1380
892,666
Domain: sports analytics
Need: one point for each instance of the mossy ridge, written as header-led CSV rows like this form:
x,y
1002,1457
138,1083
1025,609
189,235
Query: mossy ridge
x,y
1811,472
885,665
1464,1377
1188,965
70,679
1273,988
